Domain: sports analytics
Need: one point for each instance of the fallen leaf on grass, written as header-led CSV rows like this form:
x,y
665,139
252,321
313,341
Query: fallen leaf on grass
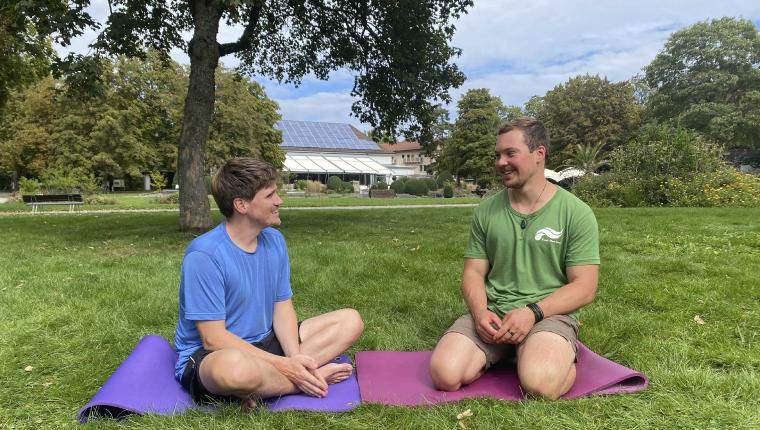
x,y
463,425
467,413
699,320
28,368
46,384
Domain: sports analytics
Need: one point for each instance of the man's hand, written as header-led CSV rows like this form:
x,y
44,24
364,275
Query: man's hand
x,y
486,324
301,369
515,326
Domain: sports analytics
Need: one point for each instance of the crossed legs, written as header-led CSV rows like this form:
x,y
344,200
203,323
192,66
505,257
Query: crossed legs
x,y
230,371
545,364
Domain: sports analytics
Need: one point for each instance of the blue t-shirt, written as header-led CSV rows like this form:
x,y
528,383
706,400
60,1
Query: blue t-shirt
x,y
220,281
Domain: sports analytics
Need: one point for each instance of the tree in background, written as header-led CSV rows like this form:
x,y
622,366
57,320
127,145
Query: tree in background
x,y
641,89
26,51
588,158
468,152
242,124
52,131
440,130
586,110
399,51
133,124
379,137
707,78
644,169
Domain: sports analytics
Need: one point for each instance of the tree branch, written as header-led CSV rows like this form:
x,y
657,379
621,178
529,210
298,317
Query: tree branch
x,y
245,39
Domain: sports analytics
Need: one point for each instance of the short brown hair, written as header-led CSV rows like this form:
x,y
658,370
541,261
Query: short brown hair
x,y
533,131
240,178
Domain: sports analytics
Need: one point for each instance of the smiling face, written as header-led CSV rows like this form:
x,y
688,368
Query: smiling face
x,y
264,209
516,164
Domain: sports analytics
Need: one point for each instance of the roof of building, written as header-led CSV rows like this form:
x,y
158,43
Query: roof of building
x,y
406,145
324,135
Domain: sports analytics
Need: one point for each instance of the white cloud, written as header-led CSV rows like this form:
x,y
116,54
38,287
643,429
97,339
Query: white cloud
x,y
519,49
322,106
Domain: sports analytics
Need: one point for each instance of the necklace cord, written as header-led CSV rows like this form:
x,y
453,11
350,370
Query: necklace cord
x,y
524,221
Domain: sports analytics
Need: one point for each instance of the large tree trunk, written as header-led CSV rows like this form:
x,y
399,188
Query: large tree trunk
x,y
194,210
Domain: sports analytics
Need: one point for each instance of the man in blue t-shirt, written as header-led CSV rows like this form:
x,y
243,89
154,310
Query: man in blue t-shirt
x,y
237,332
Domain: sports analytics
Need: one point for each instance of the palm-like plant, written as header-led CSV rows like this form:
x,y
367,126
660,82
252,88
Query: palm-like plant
x,y
587,158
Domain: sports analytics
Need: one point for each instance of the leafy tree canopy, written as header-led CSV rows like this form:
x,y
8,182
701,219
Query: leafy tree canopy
x,y
707,78
25,52
468,152
379,137
586,110
133,124
242,123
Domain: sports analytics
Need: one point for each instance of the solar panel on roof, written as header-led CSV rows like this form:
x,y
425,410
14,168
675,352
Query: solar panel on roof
x,y
323,135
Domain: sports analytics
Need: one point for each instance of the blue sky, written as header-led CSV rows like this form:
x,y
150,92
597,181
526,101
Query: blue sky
x,y
516,49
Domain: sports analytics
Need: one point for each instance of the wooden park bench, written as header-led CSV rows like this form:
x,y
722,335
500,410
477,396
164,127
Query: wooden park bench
x,y
382,194
71,200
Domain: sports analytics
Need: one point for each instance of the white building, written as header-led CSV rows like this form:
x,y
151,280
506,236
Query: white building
x,y
318,150
410,154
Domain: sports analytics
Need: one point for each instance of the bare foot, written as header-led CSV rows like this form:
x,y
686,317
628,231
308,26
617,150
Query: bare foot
x,y
335,372
250,402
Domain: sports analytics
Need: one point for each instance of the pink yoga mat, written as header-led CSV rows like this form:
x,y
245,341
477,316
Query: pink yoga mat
x,y
403,378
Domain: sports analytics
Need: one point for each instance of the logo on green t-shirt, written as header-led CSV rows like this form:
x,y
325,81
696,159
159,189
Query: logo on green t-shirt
x,y
548,234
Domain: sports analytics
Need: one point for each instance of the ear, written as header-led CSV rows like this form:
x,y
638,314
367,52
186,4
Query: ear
x,y
240,206
541,152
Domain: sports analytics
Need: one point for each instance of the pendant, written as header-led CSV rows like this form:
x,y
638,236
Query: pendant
x,y
523,224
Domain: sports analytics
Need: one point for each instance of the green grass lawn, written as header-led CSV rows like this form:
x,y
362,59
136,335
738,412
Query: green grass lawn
x,y
78,292
131,200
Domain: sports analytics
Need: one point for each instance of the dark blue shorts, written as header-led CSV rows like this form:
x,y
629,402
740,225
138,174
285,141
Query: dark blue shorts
x,y
191,379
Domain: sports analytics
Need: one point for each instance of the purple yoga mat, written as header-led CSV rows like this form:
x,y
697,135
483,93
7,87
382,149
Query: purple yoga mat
x,y
144,383
341,397
403,378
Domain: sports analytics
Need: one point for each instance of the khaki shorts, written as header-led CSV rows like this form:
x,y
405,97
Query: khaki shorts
x,y
562,325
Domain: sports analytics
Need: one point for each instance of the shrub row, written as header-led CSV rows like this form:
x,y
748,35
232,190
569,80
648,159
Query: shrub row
x,y
669,166
335,184
721,188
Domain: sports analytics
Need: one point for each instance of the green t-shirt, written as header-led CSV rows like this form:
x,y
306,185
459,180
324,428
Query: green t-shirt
x,y
528,264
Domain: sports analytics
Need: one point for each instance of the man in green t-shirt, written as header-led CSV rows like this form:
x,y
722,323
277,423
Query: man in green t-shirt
x,y
532,261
